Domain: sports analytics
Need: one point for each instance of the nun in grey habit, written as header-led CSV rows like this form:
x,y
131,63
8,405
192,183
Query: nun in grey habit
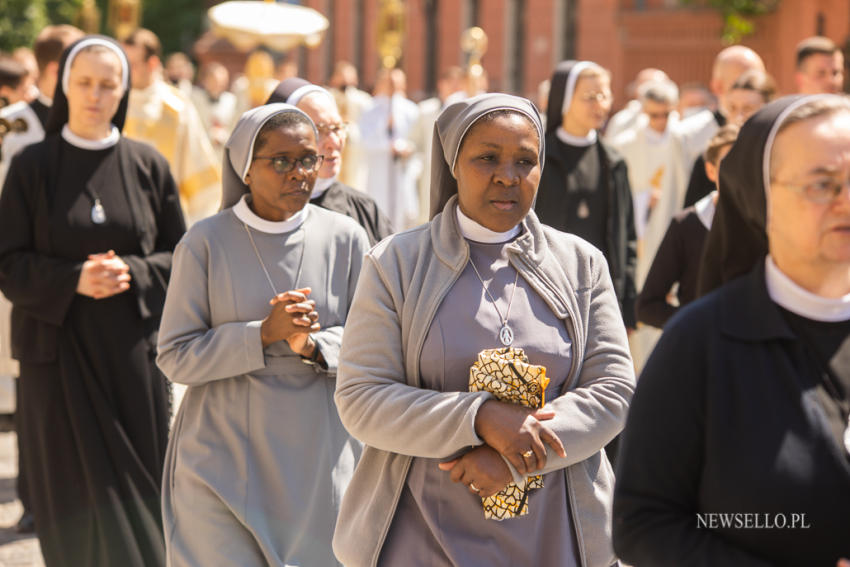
x,y
258,459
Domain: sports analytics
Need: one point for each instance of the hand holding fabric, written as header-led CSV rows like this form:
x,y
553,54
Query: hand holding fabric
x,y
481,468
513,430
104,275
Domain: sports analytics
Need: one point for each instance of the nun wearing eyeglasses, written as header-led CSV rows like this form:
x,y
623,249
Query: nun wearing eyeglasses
x,y
258,459
584,189
737,446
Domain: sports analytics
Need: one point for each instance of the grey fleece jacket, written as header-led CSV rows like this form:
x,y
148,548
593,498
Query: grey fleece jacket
x,y
401,285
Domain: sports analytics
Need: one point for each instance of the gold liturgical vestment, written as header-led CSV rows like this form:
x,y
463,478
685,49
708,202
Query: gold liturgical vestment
x,y
163,117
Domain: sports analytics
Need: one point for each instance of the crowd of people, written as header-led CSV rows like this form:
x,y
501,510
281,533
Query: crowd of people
x,y
263,321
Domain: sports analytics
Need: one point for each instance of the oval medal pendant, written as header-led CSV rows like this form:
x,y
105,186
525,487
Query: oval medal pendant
x,y
98,215
506,335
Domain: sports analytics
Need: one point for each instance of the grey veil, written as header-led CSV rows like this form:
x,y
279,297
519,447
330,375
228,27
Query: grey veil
x,y
451,127
239,149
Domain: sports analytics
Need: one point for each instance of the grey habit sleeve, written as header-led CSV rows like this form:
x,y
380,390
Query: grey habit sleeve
x,y
592,413
189,350
375,402
329,340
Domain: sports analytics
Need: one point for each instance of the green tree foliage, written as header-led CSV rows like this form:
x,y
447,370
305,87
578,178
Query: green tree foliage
x,y
20,21
176,22
738,15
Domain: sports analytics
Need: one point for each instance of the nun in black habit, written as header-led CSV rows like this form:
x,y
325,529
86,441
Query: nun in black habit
x,y
88,221
585,189
737,445
330,193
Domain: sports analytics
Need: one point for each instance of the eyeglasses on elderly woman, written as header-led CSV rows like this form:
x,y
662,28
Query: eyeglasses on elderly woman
x,y
820,191
283,164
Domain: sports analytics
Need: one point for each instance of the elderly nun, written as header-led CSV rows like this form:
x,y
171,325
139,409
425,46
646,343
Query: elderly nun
x,y
750,462
483,273
258,459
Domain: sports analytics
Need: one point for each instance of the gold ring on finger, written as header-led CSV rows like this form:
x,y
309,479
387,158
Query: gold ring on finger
x,y
528,454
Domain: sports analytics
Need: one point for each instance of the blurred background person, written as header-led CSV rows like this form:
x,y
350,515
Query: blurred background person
x,y
48,47
392,166
742,409
820,66
180,72
658,172
695,97
699,128
86,269
329,192
632,114
352,103
750,91
160,115
585,188
451,81
25,56
257,82
216,105
672,279
13,85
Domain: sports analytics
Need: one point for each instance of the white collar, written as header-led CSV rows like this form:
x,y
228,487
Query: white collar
x,y
86,144
44,99
322,185
787,294
571,140
471,230
244,213
704,208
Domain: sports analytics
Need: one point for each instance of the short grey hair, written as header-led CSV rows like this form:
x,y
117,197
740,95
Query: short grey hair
x,y
663,91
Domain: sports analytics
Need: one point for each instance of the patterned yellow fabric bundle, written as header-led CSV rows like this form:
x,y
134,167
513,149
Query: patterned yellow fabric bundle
x,y
506,373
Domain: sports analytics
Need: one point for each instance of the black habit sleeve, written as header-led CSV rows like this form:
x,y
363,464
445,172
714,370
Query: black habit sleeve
x,y
627,213
661,458
153,194
652,306
699,184
35,282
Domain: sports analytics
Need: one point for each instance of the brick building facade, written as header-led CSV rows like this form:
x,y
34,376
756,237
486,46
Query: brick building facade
x,y
528,37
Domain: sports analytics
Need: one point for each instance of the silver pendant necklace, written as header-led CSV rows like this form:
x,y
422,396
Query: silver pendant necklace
x,y
263,264
98,215
506,334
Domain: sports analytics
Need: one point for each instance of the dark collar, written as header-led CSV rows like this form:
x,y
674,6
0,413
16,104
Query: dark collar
x,y
748,313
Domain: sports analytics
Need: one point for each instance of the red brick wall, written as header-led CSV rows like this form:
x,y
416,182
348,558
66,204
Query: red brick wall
x,y
682,41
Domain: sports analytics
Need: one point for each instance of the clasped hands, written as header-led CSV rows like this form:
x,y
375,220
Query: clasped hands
x,y
292,318
515,432
103,275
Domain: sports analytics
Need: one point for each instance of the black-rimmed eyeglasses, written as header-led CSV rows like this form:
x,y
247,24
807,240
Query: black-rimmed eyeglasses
x,y
283,164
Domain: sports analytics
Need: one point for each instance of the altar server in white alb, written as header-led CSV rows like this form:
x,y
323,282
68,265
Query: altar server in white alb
x,y
393,167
